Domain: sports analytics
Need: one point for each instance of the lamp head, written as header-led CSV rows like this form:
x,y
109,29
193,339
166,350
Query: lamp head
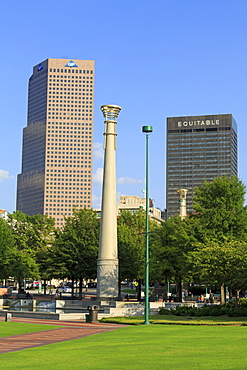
x,y
147,129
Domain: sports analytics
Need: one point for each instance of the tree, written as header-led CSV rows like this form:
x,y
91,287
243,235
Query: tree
x,y
131,246
31,235
7,242
175,240
23,265
220,263
44,229
220,207
76,247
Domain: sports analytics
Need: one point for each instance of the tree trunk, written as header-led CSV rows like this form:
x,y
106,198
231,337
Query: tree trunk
x,y
19,286
119,290
45,286
230,293
179,291
237,298
72,287
80,287
139,289
165,295
222,294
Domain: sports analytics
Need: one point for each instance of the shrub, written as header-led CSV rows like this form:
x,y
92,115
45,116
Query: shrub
x,y
237,312
164,311
184,311
211,311
243,302
228,309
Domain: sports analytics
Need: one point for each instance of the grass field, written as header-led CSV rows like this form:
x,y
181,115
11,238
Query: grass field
x,y
178,320
141,347
12,328
129,291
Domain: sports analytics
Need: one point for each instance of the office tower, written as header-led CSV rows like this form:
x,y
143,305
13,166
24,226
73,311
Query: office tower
x,y
57,142
198,148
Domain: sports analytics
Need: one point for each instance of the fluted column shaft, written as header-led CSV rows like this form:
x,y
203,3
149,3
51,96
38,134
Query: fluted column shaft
x,y
107,264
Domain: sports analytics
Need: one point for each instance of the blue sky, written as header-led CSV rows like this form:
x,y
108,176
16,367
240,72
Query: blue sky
x,y
155,59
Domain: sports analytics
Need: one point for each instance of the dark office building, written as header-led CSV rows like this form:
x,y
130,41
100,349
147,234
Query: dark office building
x,y
198,148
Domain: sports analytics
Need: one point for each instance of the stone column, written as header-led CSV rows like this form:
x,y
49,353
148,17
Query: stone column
x,y
107,264
182,202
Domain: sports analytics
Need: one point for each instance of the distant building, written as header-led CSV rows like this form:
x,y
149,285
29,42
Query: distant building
x,y
57,147
198,148
3,214
133,203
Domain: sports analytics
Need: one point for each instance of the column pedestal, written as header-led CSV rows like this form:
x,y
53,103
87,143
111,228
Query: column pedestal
x,y
107,283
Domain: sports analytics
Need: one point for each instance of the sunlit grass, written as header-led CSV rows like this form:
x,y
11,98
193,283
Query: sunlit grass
x,y
13,328
179,320
141,347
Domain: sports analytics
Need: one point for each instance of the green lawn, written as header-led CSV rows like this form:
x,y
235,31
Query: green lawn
x,y
129,291
141,347
13,328
178,320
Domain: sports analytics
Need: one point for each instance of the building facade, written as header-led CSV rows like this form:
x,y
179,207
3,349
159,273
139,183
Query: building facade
x,y
198,148
56,173
3,214
133,203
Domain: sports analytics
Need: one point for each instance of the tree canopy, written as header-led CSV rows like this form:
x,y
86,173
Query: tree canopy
x,y
76,247
219,205
7,242
131,245
209,245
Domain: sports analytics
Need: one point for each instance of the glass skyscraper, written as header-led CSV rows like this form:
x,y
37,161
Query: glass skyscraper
x,y
198,148
56,170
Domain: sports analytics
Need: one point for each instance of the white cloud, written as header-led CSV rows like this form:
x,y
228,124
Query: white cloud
x,y
129,180
98,176
4,175
96,202
98,151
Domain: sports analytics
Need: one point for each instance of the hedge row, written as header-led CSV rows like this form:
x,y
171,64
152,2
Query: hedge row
x,y
228,309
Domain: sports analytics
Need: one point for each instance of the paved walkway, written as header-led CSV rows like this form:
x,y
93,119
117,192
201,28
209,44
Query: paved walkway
x,y
69,331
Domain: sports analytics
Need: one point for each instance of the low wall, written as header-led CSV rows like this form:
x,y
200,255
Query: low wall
x,y
33,315
173,305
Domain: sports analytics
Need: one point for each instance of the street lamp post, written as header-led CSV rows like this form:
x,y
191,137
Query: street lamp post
x,y
147,130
